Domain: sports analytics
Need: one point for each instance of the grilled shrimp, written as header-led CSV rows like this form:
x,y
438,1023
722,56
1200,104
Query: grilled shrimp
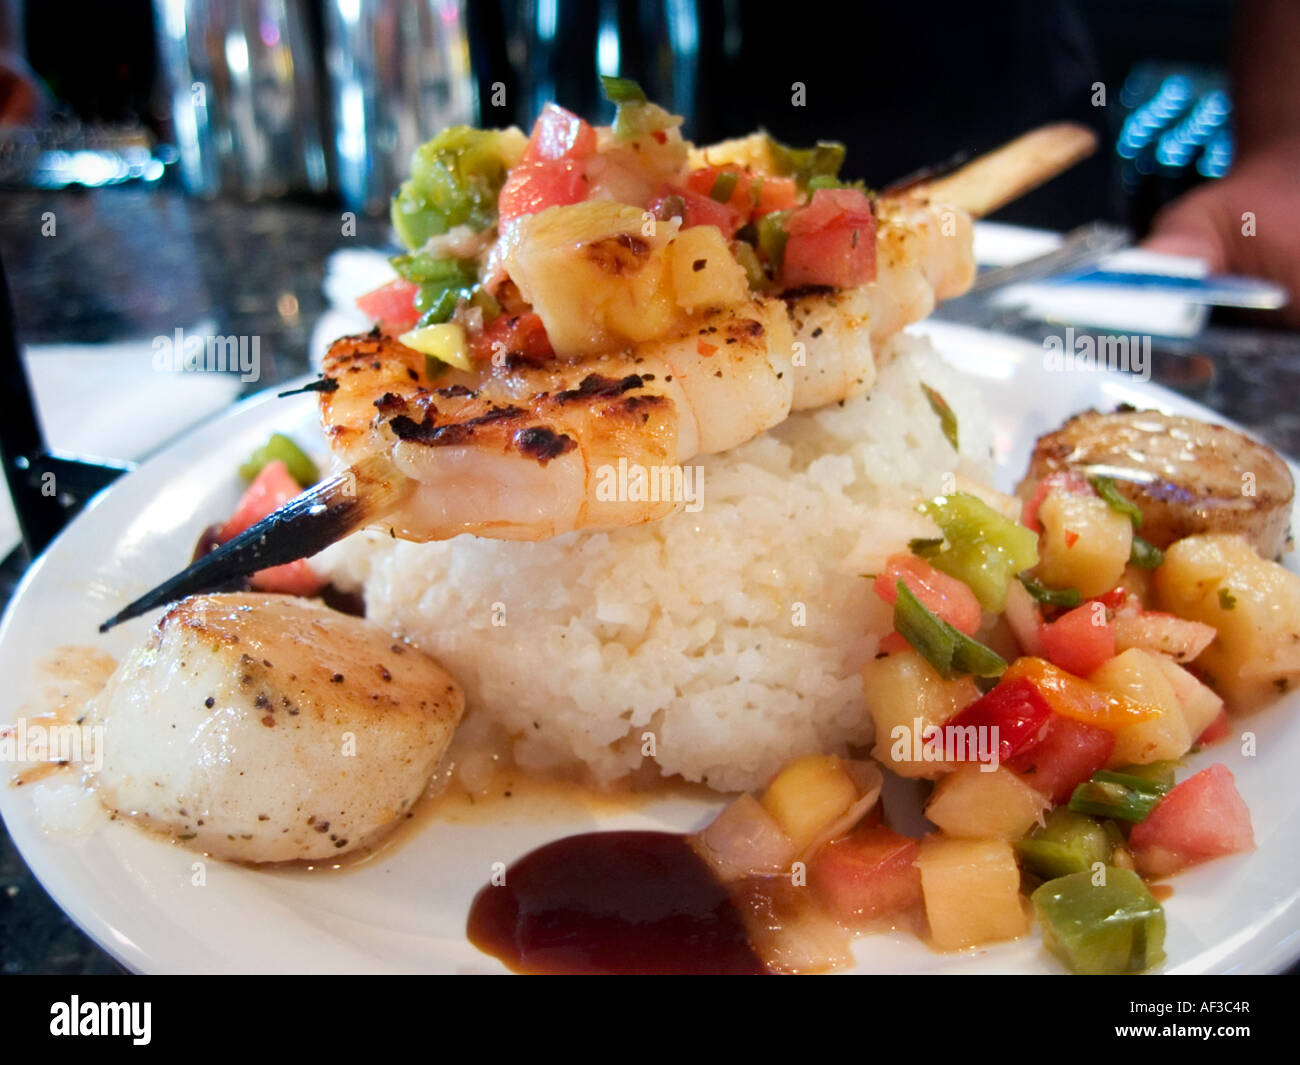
x,y
923,255
517,452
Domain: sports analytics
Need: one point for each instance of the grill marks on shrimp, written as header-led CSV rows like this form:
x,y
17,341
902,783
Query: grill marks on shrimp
x,y
458,416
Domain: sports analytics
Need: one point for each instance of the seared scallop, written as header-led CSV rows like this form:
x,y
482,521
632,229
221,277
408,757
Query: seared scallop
x,y
1186,476
265,728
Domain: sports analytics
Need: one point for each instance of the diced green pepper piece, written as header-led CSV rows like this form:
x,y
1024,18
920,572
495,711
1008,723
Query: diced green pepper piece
x,y
983,548
1065,843
1113,927
455,179
1068,597
296,461
949,650
1117,795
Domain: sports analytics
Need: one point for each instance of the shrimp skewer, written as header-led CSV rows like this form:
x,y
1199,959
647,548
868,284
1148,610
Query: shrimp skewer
x,y
519,453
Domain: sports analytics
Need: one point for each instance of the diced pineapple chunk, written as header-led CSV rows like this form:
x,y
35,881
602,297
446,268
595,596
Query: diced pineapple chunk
x,y
1085,544
597,275
1139,675
903,692
972,891
704,272
1199,704
972,804
808,796
1253,603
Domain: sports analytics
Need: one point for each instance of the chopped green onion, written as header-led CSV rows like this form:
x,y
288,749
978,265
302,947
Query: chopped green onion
x,y
723,186
824,159
1119,795
949,650
947,419
1159,773
772,237
984,549
748,259
1116,926
1145,555
1068,597
296,461
621,90
1227,600
436,304
426,269
924,546
1108,491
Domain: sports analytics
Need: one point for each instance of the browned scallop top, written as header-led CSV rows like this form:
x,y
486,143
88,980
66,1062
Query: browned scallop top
x,y
309,659
1187,476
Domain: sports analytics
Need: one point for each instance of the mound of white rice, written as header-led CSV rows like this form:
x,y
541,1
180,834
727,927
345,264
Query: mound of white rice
x,y
711,645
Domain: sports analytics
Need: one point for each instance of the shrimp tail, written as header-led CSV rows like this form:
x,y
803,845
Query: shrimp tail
x,y
304,525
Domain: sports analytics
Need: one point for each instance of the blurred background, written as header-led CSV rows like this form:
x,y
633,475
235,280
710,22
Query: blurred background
x,y
199,164
268,98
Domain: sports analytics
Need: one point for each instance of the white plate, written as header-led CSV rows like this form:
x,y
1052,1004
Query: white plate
x,y
406,911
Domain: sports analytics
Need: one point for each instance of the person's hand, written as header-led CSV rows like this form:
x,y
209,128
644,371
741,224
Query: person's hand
x,y
1245,223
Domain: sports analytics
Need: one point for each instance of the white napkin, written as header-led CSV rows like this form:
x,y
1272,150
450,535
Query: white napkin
x,y
108,401
1104,307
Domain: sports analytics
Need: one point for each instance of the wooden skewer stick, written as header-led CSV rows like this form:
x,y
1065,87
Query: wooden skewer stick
x,y
995,179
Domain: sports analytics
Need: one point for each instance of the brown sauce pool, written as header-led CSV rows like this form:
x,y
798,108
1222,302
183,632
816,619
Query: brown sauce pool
x,y
658,910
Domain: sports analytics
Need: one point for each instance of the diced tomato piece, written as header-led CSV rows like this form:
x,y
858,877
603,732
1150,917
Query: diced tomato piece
x,y
1077,642
1068,753
1217,729
700,210
869,873
392,306
1204,817
1114,599
1068,481
270,490
832,241
533,187
1016,709
559,134
892,643
520,335
944,596
776,194
703,181
293,578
